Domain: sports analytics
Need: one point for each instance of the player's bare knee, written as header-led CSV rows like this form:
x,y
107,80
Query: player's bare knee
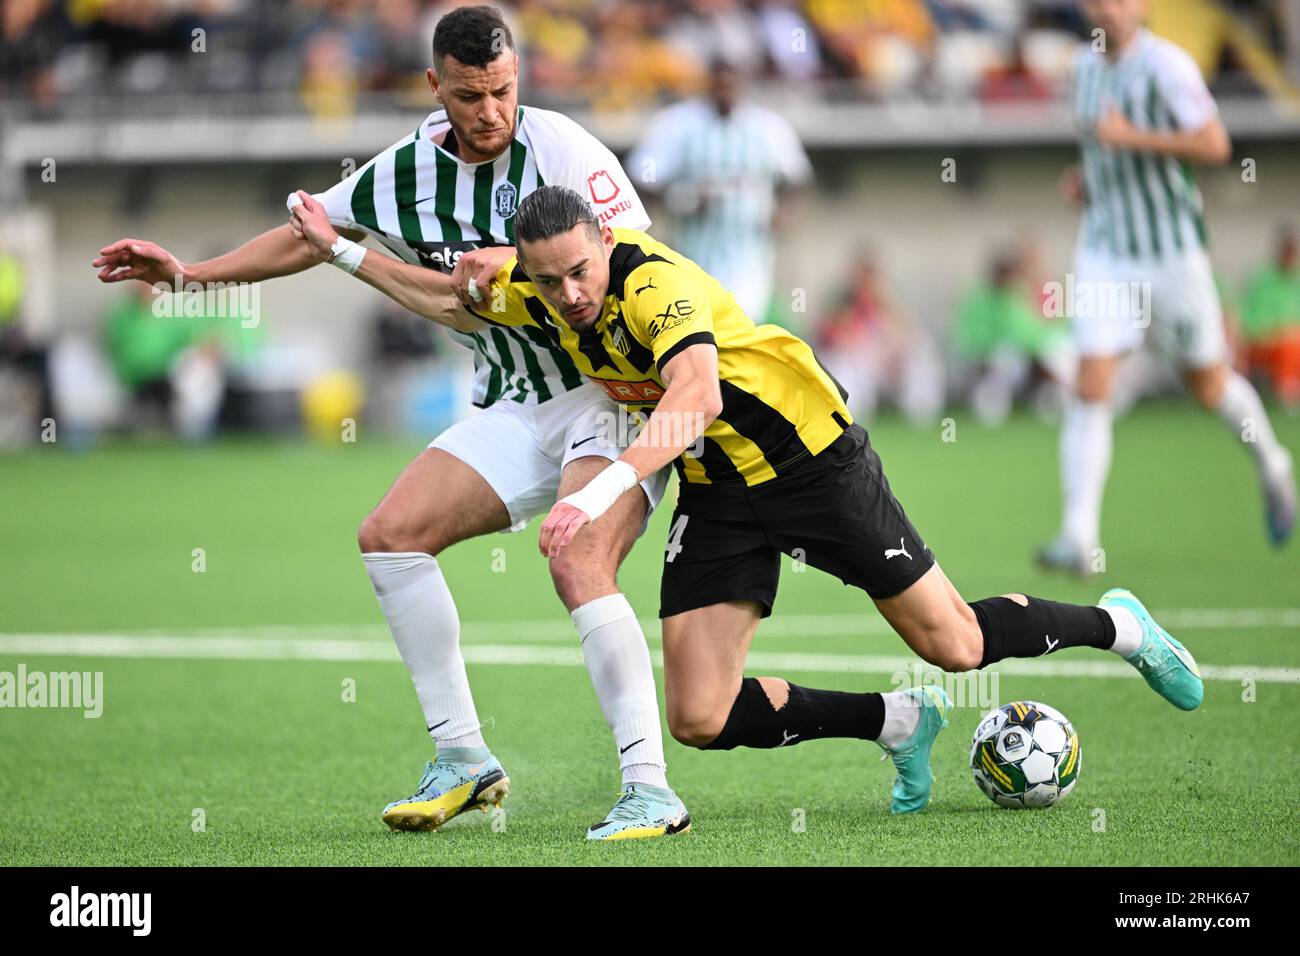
x,y
370,536
967,653
578,579
965,656
955,646
1209,395
697,734
1093,390
695,727
382,532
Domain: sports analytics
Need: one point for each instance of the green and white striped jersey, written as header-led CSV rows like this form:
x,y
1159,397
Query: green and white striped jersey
x,y
1140,205
429,207
727,170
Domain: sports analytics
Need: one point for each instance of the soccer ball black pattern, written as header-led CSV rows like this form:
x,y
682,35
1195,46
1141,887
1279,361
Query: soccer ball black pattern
x,y
1025,754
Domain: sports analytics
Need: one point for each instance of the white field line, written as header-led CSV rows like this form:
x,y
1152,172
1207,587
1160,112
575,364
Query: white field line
x,y
280,648
790,625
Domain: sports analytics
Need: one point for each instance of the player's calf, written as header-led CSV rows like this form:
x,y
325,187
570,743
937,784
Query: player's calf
x,y
1017,625
754,720
903,723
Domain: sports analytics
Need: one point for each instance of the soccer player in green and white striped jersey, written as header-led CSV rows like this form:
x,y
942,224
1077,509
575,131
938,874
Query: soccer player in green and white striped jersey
x,y
1144,114
444,196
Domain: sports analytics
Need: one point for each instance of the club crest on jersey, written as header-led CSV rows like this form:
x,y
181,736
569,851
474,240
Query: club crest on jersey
x,y
505,200
619,339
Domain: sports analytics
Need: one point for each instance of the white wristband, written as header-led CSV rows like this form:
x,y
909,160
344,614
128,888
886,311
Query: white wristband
x,y
347,255
602,491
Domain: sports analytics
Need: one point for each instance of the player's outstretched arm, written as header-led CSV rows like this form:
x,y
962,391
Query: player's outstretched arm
x,y
272,254
419,290
691,402
1209,145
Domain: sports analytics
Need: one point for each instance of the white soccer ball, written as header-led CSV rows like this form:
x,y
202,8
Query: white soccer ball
x,y
1025,754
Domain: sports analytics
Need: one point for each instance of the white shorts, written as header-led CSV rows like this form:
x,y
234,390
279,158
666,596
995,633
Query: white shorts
x,y
520,450
1117,300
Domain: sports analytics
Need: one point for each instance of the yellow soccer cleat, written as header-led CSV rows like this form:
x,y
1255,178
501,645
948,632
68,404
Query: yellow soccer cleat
x,y
642,811
447,789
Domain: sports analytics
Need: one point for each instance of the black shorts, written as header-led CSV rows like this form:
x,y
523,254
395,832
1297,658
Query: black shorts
x,y
833,511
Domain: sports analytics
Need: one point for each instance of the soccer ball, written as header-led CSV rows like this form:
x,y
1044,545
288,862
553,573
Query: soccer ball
x,y
1025,754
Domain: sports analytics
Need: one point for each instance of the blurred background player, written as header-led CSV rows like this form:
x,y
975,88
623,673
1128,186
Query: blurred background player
x,y
171,362
723,167
1143,113
1270,321
1002,339
873,346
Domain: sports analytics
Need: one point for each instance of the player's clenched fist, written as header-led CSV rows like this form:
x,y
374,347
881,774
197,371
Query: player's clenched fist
x,y
478,266
311,224
137,259
560,526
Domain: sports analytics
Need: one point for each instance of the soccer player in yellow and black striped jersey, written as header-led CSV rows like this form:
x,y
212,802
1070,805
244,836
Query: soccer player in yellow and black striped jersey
x,y
771,462
779,407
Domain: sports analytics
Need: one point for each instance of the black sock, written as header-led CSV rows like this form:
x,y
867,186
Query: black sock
x,y
1014,630
807,715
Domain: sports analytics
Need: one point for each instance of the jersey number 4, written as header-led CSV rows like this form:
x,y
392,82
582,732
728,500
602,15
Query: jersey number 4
x,y
675,537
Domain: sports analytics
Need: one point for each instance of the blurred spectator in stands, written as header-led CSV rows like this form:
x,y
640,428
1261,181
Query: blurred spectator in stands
x,y
723,166
557,43
402,47
330,75
881,43
1014,82
24,378
1270,321
1002,339
870,344
725,30
32,32
952,15
11,289
632,66
168,362
791,42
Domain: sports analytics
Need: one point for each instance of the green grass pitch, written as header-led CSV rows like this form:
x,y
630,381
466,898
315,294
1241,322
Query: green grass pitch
x,y
286,771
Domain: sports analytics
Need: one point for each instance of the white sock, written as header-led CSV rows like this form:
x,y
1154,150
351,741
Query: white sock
x,y
1128,630
1243,412
902,712
422,618
619,664
1085,463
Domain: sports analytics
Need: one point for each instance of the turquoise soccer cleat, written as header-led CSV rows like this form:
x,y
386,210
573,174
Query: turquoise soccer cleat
x,y
912,757
1166,665
446,789
642,811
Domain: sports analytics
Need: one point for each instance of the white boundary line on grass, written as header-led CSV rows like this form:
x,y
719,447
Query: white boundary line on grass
x,y
212,647
558,628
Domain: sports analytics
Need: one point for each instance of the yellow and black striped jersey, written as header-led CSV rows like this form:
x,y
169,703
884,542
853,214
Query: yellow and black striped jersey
x,y
778,404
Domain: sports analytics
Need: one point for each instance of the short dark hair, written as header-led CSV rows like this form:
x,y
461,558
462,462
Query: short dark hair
x,y
551,211
473,35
